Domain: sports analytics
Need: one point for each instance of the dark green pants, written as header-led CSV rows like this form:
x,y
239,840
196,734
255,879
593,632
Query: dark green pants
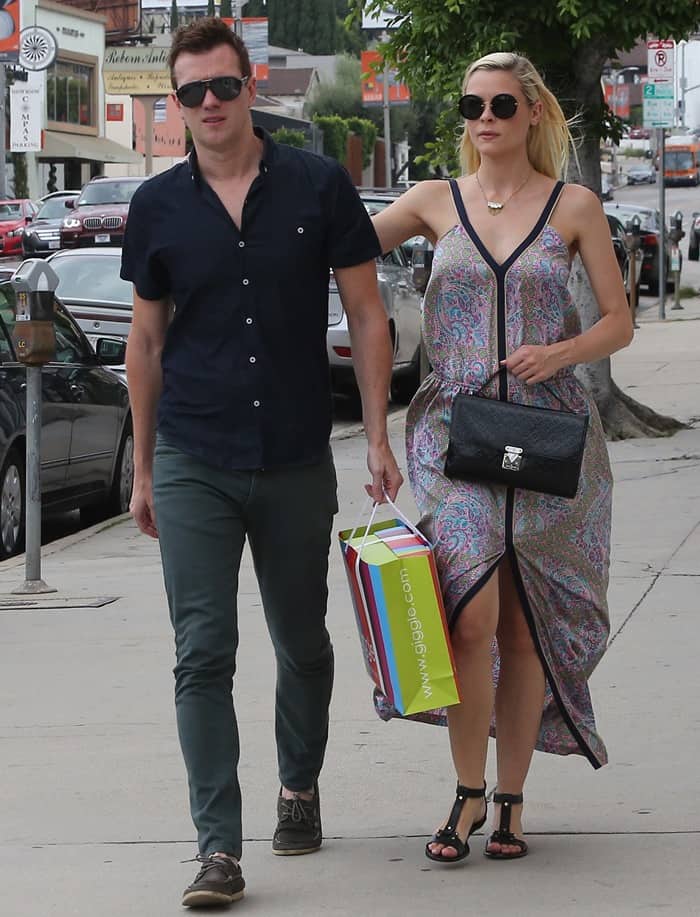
x,y
204,516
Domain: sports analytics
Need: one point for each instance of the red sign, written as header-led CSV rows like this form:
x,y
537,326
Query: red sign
x,y
373,82
115,111
9,31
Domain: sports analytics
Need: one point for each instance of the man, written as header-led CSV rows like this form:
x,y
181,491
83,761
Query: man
x,y
235,246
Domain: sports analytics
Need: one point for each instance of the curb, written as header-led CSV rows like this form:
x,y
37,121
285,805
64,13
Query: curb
x,y
60,544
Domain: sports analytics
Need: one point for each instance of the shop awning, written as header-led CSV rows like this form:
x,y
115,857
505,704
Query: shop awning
x,y
60,146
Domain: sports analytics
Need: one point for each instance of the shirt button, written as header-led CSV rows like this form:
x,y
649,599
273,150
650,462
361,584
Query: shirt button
x,y
241,244
300,229
251,360
256,404
249,321
245,281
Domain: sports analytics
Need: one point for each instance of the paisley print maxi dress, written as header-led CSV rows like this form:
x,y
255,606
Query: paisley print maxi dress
x,y
476,312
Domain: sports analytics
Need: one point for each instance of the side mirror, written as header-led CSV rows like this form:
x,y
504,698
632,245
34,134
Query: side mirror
x,y
110,351
69,203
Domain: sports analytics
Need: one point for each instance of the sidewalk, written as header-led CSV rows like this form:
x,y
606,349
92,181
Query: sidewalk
x,y
93,796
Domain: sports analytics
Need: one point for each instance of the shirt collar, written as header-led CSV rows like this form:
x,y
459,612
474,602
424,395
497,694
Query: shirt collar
x,y
266,160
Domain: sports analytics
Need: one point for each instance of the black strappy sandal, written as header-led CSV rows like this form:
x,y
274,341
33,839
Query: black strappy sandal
x,y
448,836
503,834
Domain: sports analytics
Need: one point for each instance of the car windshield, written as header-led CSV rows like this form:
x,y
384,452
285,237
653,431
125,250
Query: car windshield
x,y
91,278
678,161
108,192
53,209
9,211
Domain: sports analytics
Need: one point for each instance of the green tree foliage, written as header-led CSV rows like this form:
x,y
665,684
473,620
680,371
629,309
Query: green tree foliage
x,y
211,9
225,9
20,184
174,16
290,137
306,24
569,41
344,95
256,8
335,136
365,129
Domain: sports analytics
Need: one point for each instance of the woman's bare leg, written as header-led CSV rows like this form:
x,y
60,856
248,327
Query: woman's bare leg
x,y
469,721
519,700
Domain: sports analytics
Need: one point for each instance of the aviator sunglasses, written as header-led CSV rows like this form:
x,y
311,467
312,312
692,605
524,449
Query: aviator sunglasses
x,y
503,106
225,88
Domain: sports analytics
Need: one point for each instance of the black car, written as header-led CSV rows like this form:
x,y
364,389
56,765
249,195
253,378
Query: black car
x,y
650,235
87,442
43,235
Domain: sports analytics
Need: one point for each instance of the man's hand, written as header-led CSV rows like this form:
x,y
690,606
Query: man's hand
x,y
386,476
141,508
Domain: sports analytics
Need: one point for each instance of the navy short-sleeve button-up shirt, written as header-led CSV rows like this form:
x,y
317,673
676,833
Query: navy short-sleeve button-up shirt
x,y
245,367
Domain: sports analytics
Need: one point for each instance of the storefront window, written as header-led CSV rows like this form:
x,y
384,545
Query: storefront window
x,y
69,93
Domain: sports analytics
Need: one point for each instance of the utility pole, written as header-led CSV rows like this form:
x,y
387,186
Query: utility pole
x,y
3,125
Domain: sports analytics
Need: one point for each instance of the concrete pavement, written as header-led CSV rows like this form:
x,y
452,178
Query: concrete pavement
x,y
93,799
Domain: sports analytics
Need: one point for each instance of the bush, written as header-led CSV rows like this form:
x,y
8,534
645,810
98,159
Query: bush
x,y
368,132
335,136
290,137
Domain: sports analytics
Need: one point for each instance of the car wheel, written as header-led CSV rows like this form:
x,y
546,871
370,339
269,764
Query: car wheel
x,y
124,476
405,386
11,505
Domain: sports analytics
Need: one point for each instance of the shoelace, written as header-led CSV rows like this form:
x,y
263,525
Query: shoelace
x,y
208,862
294,809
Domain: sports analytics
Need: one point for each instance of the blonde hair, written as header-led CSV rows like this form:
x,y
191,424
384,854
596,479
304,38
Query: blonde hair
x,y
549,142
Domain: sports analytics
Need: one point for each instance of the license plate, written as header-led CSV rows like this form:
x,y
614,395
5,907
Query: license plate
x,y
54,244
102,238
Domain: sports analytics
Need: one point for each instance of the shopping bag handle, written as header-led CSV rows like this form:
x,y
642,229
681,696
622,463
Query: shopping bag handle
x,y
375,507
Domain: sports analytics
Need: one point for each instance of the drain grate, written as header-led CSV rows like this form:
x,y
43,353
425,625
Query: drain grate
x,y
53,603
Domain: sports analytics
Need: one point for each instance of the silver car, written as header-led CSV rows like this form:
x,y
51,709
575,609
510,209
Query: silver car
x,y
402,302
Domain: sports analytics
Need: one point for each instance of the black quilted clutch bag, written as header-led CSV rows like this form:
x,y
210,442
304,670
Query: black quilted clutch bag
x,y
517,445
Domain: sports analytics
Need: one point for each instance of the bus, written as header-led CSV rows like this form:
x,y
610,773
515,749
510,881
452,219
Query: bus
x,y
682,162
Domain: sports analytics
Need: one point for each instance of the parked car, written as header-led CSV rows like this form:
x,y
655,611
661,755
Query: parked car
x,y
402,302
44,234
376,201
639,175
86,434
15,215
618,234
650,235
51,194
98,216
90,287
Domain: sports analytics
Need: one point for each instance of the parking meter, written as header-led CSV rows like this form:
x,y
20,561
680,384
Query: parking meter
x,y
675,234
34,283
421,264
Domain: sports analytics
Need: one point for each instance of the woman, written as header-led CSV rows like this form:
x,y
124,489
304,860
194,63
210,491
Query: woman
x,y
524,574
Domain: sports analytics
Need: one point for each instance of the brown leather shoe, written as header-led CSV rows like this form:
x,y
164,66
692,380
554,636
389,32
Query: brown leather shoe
x,y
218,882
298,825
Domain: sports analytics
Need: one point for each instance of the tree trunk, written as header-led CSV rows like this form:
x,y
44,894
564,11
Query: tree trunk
x,y
622,416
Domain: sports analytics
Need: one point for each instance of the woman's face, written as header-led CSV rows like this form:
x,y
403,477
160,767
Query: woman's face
x,y
493,136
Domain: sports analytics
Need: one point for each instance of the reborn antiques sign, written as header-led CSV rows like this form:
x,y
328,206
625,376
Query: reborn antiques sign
x,y
25,117
136,71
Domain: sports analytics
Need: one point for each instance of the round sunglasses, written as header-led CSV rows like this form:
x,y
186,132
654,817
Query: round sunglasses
x,y
503,106
225,88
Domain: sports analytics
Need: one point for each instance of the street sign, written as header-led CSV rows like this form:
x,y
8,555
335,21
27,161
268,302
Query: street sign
x,y
660,60
658,105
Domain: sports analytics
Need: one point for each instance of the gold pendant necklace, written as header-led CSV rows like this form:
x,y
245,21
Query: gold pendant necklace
x,y
495,207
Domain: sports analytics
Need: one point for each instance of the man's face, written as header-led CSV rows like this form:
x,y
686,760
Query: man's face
x,y
214,124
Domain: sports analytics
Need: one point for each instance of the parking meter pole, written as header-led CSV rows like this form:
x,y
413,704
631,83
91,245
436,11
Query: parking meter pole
x,y
387,128
33,583
662,213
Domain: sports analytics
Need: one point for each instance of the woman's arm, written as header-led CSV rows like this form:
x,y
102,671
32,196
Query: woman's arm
x,y
409,215
614,330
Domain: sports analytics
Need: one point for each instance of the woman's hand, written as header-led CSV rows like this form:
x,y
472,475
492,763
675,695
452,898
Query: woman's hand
x,y
535,362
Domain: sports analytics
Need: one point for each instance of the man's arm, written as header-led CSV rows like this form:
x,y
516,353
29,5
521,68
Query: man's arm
x,y
144,375
372,361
